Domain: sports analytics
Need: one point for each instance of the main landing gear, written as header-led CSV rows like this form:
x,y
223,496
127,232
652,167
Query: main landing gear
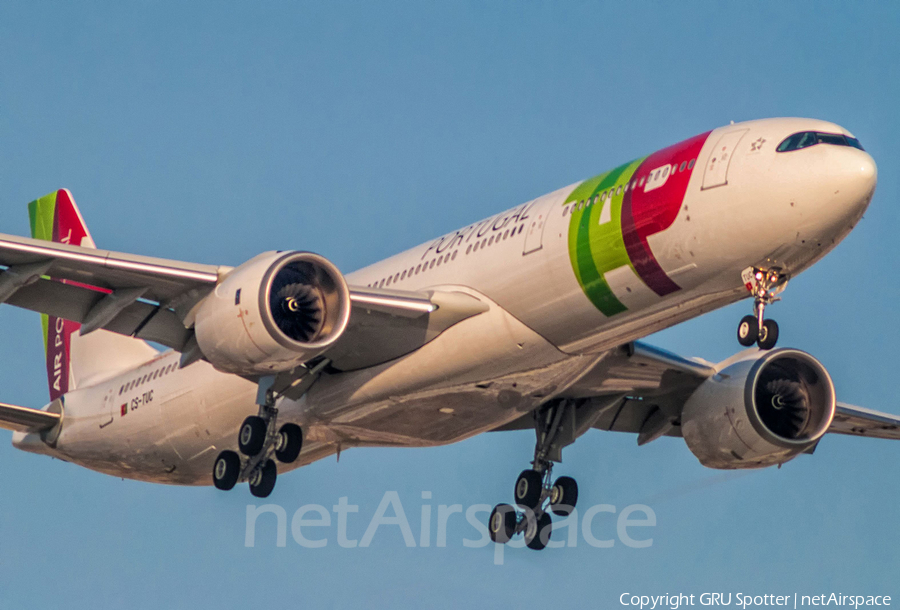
x,y
536,494
259,439
764,285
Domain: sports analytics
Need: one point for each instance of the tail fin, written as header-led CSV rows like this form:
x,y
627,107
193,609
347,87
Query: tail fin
x,y
74,360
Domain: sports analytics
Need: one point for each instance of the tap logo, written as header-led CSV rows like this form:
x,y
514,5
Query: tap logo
x,y
613,215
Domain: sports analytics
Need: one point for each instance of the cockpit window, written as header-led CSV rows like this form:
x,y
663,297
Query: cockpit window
x,y
830,138
805,139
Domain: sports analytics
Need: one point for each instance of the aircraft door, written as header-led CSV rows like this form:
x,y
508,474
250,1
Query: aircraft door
x,y
537,212
108,409
716,171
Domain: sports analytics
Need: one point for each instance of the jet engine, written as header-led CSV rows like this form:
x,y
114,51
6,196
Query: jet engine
x,y
759,411
277,310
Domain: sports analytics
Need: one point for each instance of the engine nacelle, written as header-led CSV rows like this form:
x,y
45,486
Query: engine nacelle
x,y
277,310
759,411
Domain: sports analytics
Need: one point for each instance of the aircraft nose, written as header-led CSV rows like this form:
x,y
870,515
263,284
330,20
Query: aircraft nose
x,y
838,189
855,179
867,173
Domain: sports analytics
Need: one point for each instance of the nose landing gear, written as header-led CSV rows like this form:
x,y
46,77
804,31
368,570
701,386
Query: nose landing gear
x,y
764,285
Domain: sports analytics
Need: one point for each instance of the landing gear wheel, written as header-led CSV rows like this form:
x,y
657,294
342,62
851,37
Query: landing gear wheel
x,y
226,470
529,486
563,496
288,443
748,331
768,335
262,481
537,531
502,523
252,436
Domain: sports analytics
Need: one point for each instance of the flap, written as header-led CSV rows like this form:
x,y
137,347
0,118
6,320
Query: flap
x,y
394,324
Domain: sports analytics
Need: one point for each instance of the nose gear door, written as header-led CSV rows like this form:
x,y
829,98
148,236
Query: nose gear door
x,y
716,172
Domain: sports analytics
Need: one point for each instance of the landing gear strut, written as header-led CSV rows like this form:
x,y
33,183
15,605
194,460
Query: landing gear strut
x,y
260,439
536,494
764,285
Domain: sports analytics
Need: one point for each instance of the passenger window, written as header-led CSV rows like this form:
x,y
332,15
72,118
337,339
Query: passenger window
x,y
619,190
431,266
468,248
691,164
603,196
683,164
641,183
491,240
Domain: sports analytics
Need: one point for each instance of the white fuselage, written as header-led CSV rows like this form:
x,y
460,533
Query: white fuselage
x,y
549,277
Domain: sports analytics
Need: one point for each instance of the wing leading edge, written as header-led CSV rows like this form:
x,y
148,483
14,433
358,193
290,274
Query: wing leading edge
x,y
23,419
153,298
859,421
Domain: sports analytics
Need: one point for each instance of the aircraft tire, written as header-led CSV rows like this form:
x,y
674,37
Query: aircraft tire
x,y
748,331
537,531
502,523
528,489
563,496
252,436
262,482
289,443
768,334
226,470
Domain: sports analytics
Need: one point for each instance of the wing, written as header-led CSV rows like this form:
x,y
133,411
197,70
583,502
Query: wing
x,y
858,421
650,386
654,385
152,298
635,388
23,419
642,389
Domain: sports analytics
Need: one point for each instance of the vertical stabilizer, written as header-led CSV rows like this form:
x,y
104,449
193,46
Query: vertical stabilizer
x,y
74,360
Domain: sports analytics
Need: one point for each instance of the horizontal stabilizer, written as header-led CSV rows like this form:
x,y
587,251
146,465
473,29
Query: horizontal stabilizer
x,y
23,419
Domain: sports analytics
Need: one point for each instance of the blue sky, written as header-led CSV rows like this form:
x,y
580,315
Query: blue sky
x,y
210,132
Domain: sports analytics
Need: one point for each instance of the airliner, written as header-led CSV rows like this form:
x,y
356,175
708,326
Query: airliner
x,y
531,319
